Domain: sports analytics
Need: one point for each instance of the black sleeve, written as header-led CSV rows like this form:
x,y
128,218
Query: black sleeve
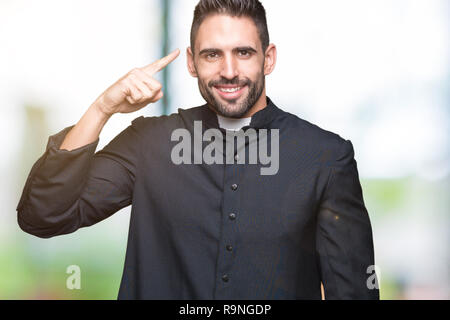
x,y
344,240
68,190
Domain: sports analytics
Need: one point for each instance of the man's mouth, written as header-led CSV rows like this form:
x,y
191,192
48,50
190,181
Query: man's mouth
x,y
230,92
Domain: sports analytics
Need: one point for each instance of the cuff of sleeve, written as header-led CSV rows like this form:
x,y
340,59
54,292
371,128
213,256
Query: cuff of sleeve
x,y
55,142
55,159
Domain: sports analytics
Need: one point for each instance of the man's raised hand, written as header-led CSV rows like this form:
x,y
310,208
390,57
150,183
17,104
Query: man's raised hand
x,y
136,89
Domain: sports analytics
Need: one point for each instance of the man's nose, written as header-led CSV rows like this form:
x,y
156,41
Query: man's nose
x,y
229,68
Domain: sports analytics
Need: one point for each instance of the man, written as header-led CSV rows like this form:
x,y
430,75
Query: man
x,y
212,229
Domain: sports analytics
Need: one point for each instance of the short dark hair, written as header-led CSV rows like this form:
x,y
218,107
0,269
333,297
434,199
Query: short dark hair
x,y
235,8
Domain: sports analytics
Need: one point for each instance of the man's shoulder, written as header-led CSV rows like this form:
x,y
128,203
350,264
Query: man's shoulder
x,y
165,122
310,138
310,133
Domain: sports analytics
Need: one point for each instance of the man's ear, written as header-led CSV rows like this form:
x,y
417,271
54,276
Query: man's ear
x,y
270,60
190,62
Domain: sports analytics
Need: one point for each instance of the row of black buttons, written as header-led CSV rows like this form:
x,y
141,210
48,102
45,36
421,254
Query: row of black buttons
x,y
232,216
229,247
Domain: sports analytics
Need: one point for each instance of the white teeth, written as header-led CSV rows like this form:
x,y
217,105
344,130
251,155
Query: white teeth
x,y
230,90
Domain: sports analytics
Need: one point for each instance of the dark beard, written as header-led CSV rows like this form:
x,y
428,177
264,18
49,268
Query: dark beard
x,y
255,89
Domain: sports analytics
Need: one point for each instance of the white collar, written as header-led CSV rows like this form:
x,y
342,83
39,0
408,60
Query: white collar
x,y
233,124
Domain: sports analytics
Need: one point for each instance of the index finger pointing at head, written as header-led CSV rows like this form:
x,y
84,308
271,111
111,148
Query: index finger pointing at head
x,y
161,63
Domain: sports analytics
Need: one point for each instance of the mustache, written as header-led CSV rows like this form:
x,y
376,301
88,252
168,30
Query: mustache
x,y
236,81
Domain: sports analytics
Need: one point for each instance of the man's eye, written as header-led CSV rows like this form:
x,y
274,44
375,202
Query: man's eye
x,y
212,55
244,53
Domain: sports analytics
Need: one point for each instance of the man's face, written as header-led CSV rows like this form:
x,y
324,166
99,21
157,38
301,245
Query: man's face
x,y
229,63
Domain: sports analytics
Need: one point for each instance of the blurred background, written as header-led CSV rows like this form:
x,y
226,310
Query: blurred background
x,y
374,71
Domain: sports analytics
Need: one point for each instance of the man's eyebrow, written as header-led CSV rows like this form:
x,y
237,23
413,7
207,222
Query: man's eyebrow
x,y
250,49
209,50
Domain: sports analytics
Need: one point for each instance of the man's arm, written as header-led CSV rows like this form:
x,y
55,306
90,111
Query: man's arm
x,y
344,240
130,93
70,186
68,190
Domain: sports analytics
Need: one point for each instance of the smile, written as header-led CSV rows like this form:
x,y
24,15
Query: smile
x,y
230,92
230,89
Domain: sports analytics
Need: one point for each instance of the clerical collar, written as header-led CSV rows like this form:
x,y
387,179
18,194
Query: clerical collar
x,y
233,124
260,120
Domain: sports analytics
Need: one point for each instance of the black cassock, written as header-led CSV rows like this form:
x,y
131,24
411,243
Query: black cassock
x,y
220,231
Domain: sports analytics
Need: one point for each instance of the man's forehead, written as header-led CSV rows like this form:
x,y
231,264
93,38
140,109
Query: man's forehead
x,y
227,33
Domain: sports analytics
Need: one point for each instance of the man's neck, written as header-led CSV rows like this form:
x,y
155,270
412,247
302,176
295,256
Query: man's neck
x,y
237,124
259,105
